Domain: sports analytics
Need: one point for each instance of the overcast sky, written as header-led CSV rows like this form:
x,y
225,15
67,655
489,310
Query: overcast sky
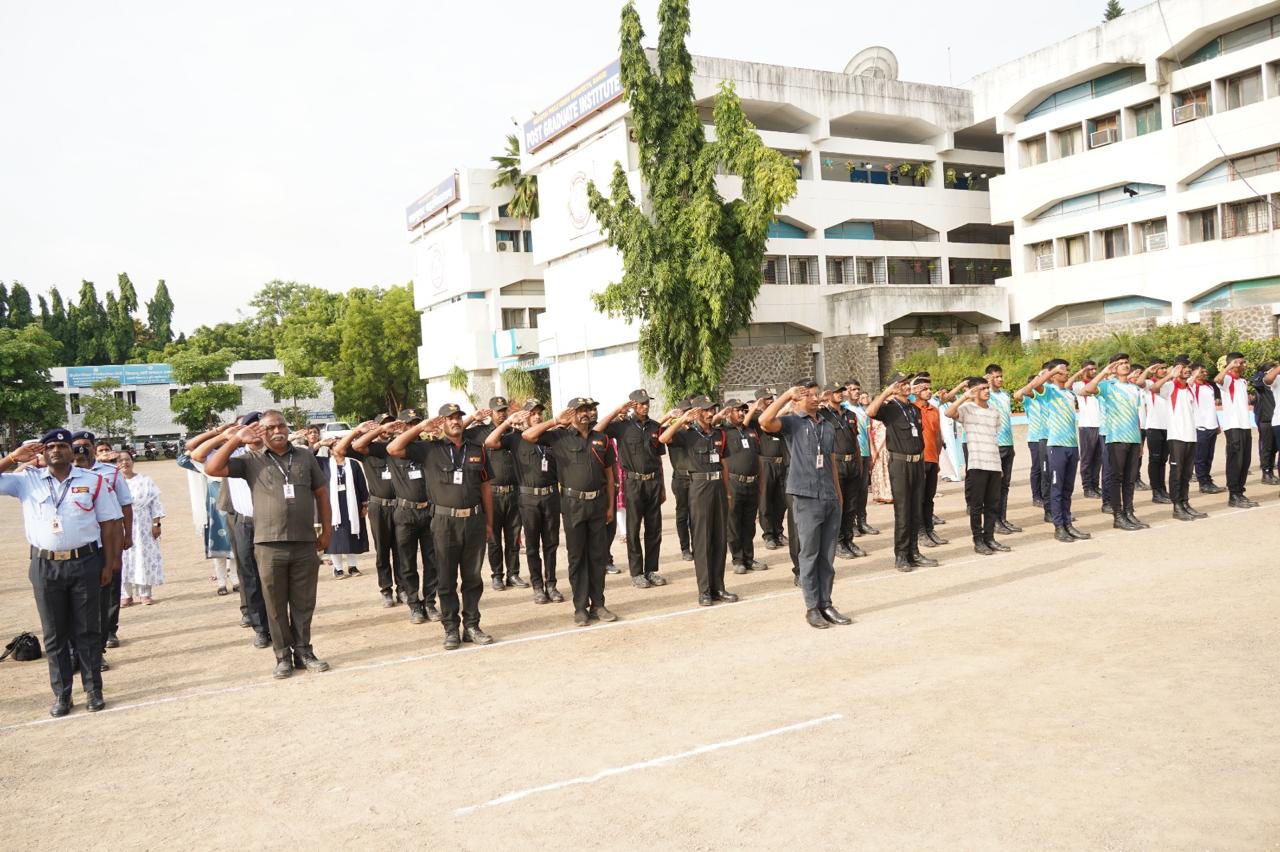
x,y
284,139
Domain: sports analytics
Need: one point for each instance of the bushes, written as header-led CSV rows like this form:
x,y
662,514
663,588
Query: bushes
x,y
1207,343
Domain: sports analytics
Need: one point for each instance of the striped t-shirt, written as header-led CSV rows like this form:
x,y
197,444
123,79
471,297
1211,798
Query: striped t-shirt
x,y
982,426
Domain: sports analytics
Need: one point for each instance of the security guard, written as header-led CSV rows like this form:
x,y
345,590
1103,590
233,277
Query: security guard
x,y
72,521
743,467
680,487
640,455
457,475
412,517
847,460
83,448
773,474
382,505
584,465
539,498
853,403
904,441
707,448
506,500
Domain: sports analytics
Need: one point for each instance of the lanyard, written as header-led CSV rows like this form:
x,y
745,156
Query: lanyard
x,y
66,489
905,409
456,463
287,474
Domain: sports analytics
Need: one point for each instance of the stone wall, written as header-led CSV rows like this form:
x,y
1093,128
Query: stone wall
x,y
778,365
1256,322
852,356
1071,335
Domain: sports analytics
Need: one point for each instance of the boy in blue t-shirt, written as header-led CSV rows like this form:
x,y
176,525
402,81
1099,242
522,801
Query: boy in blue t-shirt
x,y
1056,405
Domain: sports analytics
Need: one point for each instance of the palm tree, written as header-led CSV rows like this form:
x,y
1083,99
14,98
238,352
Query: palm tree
x,y
524,203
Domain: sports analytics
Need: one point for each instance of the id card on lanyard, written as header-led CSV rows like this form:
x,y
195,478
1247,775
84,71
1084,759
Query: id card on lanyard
x,y
287,473
457,464
55,523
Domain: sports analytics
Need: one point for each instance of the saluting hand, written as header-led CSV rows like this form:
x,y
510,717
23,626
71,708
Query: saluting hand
x,y
250,434
565,418
26,453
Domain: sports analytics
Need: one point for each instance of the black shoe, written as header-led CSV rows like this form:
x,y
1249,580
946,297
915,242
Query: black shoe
x,y
612,569
757,565
517,581
417,614
580,618
936,521
553,594
995,545
387,600
1048,516
603,614
1061,534
815,619
353,571
540,595
902,563
705,600
980,547
1269,478
113,642
402,596
857,552
867,529
311,661
498,585
1077,534
284,668
656,579
94,701
1239,501
1120,521
1106,508
429,607
105,667
1192,512
1014,527
1037,502
1246,503
640,581
843,551
262,640
727,597
921,561
739,568
452,641
298,662
929,538
833,615
686,555
1181,514
771,544
1003,528
245,621
61,706
476,635
1211,488
782,538
1133,519
1160,498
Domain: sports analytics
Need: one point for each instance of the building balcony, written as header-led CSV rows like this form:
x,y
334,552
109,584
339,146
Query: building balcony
x,y
515,342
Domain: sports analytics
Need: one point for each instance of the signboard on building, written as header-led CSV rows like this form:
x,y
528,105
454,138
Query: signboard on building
x,y
597,92
125,374
444,194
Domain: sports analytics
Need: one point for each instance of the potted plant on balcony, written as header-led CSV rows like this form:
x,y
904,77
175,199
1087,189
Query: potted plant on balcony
x,y
924,171
904,170
949,178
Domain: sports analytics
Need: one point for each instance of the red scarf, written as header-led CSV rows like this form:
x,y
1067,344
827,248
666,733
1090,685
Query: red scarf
x,y
1178,384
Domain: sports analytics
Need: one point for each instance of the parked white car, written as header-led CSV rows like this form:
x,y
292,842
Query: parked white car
x,y
336,430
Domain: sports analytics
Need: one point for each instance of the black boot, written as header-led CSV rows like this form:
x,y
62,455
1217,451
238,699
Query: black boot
x,y
1133,519
1180,513
1121,521
1161,498
995,545
1186,507
311,661
981,547
1075,533
1061,534
517,581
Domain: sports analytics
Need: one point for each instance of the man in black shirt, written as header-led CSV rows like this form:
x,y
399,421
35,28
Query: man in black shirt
x,y
382,505
773,475
640,455
457,476
411,517
1264,406
744,485
539,498
707,448
904,441
848,466
506,503
680,488
584,467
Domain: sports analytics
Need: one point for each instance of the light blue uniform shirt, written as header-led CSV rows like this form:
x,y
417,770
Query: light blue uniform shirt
x,y
864,442
1057,407
79,511
1035,422
1120,413
113,477
1002,402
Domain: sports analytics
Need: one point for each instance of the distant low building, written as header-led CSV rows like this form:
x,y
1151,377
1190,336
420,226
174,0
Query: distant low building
x,y
150,387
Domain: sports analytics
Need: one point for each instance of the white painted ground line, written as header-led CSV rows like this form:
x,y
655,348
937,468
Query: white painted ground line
x,y
652,763
624,623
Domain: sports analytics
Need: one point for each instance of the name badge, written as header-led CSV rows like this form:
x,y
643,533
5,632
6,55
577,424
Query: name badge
x,y
457,477
342,486
915,433
545,468
415,474
715,458
819,461
288,491
746,445
55,525
386,474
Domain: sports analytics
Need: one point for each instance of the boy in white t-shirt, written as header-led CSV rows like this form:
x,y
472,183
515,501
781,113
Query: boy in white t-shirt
x,y
1181,428
1157,435
1271,379
1207,428
1236,427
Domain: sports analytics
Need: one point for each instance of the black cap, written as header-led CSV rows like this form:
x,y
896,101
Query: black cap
x,y
701,402
766,393
498,403
735,403
410,416
251,417
76,436
383,419
832,387
59,435
449,409
640,395
532,405
582,402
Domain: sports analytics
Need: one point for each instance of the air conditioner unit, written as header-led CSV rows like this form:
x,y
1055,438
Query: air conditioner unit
x,y
1155,242
506,245
1190,112
1044,262
1098,138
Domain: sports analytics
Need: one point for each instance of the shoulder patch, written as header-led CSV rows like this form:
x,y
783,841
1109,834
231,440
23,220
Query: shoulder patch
x,y
473,459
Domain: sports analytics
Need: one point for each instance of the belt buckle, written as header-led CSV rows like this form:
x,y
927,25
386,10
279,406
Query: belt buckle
x,y
61,555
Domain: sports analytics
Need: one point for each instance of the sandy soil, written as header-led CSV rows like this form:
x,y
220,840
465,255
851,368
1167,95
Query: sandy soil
x,y
1118,693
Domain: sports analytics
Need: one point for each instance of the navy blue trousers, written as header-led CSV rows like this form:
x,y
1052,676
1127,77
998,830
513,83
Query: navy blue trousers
x,y
1063,463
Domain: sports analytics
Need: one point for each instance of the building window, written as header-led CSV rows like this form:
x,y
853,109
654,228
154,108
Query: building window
x,y
914,271
871,270
1042,256
804,270
973,270
1104,130
1153,235
513,318
1191,104
1202,225
1115,243
1034,151
534,313
1244,218
1255,164
471,217
1146,118
981,234
507,240
1244,89
504,211
74,401
1238,39
1070,141
773,270
1076,250
836,270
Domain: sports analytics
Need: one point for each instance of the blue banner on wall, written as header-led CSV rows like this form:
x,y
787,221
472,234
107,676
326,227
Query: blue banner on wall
x,y
597,92
125,374
444,194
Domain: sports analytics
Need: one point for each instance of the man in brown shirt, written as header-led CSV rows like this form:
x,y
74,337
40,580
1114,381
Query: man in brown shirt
x,y
289,491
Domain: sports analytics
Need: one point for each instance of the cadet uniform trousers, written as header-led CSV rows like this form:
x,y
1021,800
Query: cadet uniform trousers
x,y
1182,456
644,506
906,483
1157,455
382,526
588,548
503,553
1006,479
773,496
414,537
708,511
742,517
850,475
459,549
68,596
540,518
680,489
289,572
1126,462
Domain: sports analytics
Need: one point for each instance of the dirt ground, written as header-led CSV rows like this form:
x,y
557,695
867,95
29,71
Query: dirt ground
x,y
1122,692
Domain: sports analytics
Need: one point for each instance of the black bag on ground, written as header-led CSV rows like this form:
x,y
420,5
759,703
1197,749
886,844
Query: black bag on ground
x,y
24,647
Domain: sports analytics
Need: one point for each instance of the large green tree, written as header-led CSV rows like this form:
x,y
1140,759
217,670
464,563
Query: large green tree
x,y
209,394
29,403
20,314
122,333
1113,11
160,316
691,261
377,366
4,305
106,414
89,328
58,326
310,336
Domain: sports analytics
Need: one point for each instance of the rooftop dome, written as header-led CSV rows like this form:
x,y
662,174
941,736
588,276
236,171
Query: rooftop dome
x,y
876,61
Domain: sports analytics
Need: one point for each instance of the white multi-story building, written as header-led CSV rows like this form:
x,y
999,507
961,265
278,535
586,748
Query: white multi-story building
x,y
150,387
887,243
1142,169
476,286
